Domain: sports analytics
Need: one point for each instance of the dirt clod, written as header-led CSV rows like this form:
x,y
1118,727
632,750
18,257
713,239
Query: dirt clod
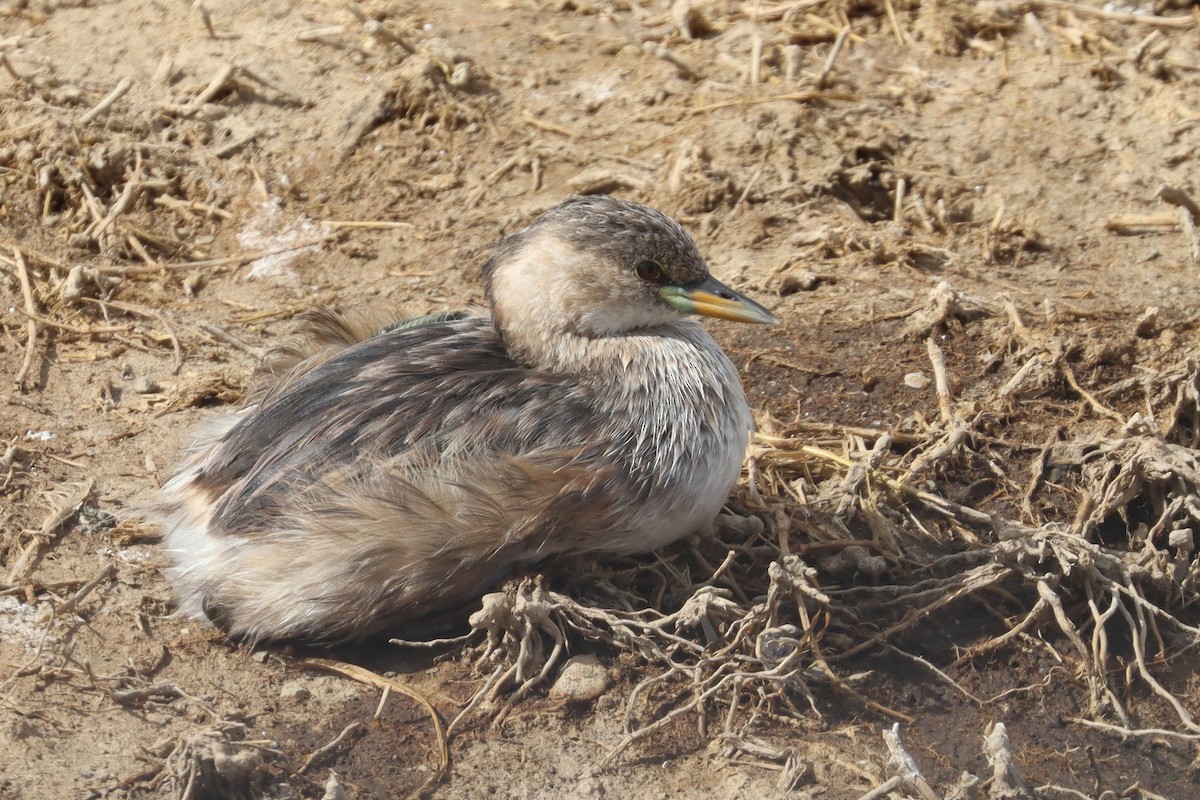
x,y
582,679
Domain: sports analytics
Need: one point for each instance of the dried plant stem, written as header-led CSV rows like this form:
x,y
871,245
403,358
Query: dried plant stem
x,y
1182,23
893,23
905,766
353,729
366,676
141,311
799,97
958,511
1096,405
661,722
8,66
1035,614
74,600
661,51
59,514
827,69
898,205
376,29
1138,629
321,35
941,381
756,52
1132,224
932,668
1094,672
541,124
230,339
107,101
163,690
31,325
205,18
1187,223
38,259
1127,732
366,223
154,268
62,326
186,206
884,789
123,203
484,691
215,85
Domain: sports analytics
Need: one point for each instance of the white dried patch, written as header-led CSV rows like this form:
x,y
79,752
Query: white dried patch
x,y
270,229
134,554
23,624
596,91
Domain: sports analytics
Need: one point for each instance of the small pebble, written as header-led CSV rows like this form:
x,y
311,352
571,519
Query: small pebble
x,y
1147,324
334,789
147,386
295,690
582,678
916,380
587,787
800,280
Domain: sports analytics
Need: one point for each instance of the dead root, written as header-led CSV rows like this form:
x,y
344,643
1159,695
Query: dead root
x,y
218,761
1125,570
1005,781
715,653
877,543
944,305
737,651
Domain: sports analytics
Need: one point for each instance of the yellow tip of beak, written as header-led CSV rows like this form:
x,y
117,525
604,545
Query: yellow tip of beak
x,y
711,298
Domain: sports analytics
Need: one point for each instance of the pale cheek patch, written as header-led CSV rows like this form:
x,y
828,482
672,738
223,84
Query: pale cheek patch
x,y
548,300
539,278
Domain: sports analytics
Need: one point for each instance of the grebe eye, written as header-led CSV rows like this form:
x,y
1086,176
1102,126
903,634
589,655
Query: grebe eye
x,y
649,271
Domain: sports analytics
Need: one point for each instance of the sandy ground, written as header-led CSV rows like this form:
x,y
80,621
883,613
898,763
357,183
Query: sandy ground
x,y
838,161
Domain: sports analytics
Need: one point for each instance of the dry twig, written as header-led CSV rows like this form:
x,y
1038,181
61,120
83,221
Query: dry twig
x,y
63,507
72,602
30,324
107,102
366,676
141,311
353,729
